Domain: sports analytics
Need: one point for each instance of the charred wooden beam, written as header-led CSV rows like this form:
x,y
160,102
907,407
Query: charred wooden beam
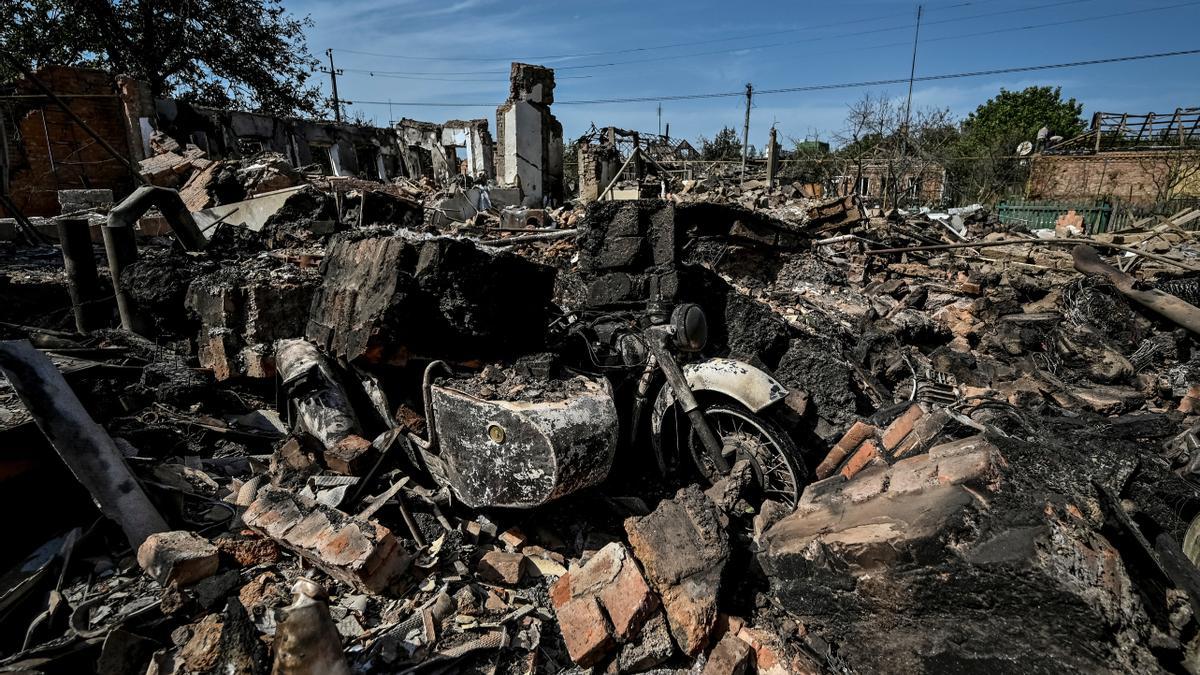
x,y
84,446
1088,261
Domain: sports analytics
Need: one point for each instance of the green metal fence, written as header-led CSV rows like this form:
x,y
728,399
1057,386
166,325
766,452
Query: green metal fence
x,y
1039,215
1099,215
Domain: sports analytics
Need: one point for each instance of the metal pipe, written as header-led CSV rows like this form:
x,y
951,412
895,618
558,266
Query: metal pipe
x,y
427,393
83,284
121,250
409,520
172,207
1049,242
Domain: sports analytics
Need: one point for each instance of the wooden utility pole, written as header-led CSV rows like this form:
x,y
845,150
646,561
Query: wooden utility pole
x,y
333,73
746,131
772,159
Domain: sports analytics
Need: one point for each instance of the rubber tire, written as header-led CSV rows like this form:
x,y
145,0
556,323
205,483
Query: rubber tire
x,y
788,448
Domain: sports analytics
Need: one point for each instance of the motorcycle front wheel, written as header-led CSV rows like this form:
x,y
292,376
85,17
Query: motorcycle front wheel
x,y
779,470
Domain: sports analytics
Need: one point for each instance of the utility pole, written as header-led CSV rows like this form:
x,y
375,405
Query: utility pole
x,y
333,73
660,119
746,131
912,73
772,158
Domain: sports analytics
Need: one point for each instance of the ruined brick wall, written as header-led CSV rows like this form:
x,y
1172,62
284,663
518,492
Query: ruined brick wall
x,y
53,153
932,183
1135,177
597,166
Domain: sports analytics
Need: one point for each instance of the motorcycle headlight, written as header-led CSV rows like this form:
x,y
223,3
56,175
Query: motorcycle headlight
x,y
691,327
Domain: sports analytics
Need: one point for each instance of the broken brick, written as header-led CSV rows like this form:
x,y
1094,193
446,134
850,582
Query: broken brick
x,y
923,432
502,567
899,428
178,557
611,577
585,630
349,456
864,455
683,550
360,552
731,656
853,438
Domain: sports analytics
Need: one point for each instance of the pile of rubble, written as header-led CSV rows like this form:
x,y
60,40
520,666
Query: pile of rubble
x,y
352,436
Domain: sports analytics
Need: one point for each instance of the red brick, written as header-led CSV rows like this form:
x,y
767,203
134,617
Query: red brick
x,y
360,552
899,428
628,600
584,629
866,452
683,550
349,455
923,432
858,433
178,557
731,656
611,579
768,658
502,567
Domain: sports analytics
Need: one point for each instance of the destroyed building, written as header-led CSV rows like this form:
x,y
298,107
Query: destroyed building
x,y
1137,158
529,140
45,152
432,150
257,418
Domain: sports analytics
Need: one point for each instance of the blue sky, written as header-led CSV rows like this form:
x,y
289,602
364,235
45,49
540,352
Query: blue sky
x,y
719,46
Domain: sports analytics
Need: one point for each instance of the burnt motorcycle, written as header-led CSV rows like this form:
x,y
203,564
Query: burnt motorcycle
x,y
637,380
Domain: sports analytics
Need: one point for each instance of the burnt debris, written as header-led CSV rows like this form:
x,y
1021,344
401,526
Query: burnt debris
x,y
445,424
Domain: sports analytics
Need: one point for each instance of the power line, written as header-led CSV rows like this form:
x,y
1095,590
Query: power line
x,y
631,50
841,36
394,76
823,87
888,29
960,36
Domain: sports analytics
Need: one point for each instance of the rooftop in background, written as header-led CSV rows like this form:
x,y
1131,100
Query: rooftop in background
x,y
1114,132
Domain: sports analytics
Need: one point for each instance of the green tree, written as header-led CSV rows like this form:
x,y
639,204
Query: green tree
x,y
247,54
810,162
984,168
725,145
1020,114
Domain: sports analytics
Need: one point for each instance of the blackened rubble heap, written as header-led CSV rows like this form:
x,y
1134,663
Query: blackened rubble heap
x,y
1002,450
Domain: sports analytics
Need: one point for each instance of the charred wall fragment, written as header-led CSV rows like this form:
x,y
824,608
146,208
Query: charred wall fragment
x,y
385,297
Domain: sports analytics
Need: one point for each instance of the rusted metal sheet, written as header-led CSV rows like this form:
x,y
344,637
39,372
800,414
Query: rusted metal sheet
x,y
523,454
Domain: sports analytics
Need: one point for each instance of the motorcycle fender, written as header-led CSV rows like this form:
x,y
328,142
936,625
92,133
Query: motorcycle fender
x,y
735,379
